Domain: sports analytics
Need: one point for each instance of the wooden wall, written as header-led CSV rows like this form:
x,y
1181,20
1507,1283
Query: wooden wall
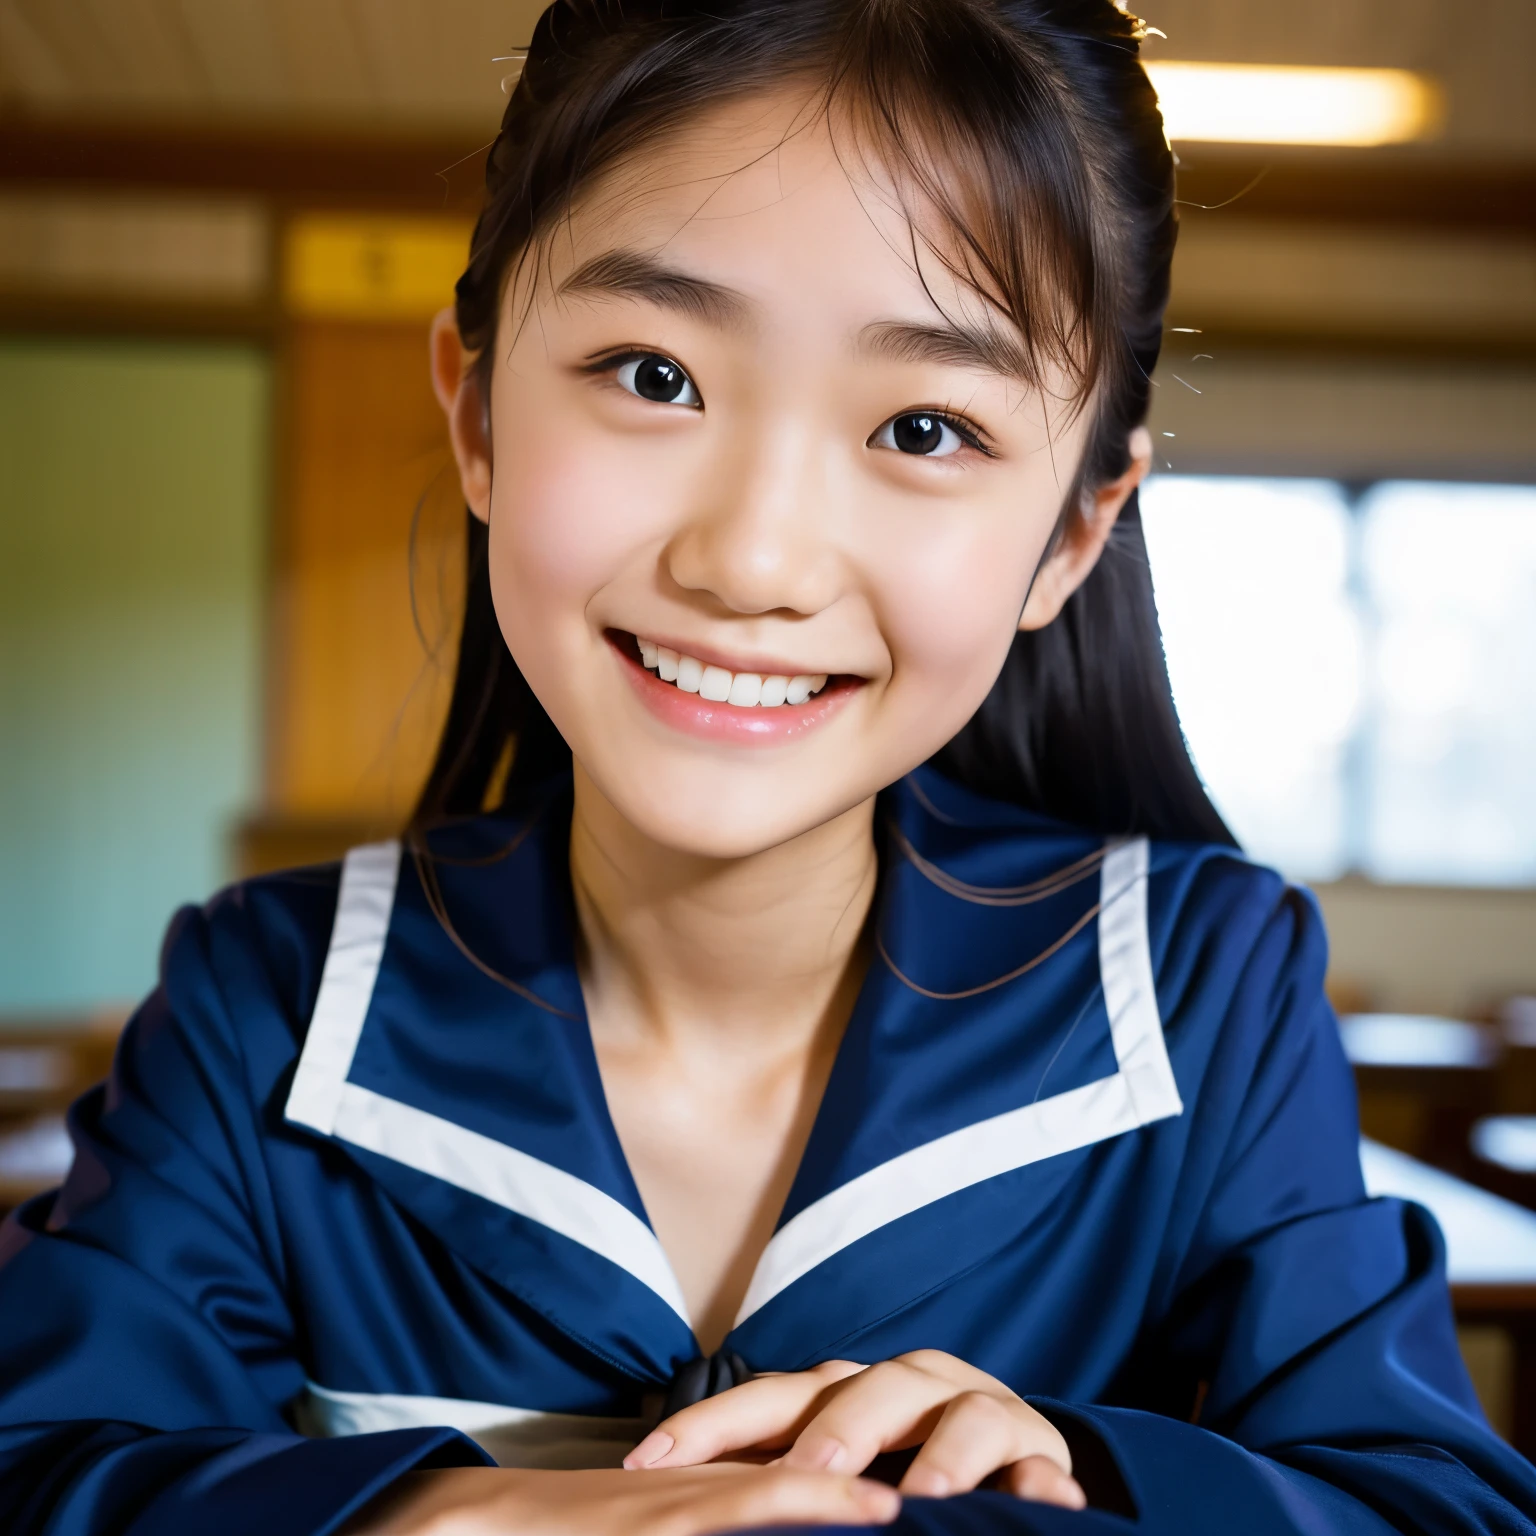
x,y
367,546
354,691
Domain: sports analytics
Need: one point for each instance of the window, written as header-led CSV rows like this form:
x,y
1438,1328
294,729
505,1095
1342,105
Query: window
x,y
1356,669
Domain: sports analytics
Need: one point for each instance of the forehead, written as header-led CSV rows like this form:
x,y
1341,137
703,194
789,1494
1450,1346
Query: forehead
x,y
780,200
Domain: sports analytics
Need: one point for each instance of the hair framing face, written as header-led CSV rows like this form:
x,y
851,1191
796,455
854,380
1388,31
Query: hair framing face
x,y
1027,136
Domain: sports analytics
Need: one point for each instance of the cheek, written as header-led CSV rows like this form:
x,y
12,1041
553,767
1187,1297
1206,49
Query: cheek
x,y
951,602
570,514
559,518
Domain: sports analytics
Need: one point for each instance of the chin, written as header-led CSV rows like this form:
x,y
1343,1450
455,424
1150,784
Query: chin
x,y
721,833
723,820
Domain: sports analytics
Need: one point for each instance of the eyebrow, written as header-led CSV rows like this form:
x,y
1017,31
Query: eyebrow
x,y
632,274
954,346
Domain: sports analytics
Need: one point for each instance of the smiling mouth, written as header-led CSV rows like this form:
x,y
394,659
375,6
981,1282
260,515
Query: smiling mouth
x,y
745,690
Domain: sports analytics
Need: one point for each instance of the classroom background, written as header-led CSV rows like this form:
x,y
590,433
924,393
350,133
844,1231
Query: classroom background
x,y
229,536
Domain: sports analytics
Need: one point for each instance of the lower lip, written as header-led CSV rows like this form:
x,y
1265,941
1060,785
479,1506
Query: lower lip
x,y
752,726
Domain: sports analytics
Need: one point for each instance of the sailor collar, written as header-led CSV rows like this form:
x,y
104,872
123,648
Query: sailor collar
x,y
1009,1018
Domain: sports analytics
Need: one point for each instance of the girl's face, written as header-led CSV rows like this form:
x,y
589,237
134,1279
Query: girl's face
x,y
743,445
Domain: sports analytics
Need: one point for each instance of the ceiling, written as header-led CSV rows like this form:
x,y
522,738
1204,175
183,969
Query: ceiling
x,y
1479,50
387,63
432,65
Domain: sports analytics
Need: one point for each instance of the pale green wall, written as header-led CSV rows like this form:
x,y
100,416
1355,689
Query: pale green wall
x,y
132,493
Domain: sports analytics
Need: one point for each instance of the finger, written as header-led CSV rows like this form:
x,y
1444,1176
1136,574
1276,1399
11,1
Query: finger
x,y
897,1406
790,1498
976,1436
889,1406
981,1427
1039,1478
768,1411
961,1375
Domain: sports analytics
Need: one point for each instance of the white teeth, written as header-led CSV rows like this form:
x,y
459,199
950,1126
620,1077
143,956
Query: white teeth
x,y
743,689
746,690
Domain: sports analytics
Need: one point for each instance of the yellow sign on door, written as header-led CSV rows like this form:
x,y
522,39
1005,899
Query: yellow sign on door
x,y
358,267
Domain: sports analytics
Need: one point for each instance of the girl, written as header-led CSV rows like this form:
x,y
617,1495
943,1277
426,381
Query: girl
x,y
707,1085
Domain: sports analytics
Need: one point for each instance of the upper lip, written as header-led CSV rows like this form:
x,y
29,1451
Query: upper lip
x,y
764,666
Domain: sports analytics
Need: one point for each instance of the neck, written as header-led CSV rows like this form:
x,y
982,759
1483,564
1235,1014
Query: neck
x,y
721,953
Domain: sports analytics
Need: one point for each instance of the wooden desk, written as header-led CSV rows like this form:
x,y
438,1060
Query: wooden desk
x,y
1490,1257
1503,1157
47,1068
43,1069
1423,1082
35,1155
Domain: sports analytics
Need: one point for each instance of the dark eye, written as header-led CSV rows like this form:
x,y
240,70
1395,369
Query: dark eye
x,y
924,433
654,377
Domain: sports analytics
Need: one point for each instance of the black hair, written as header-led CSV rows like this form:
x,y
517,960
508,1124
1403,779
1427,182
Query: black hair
x,y
1030,129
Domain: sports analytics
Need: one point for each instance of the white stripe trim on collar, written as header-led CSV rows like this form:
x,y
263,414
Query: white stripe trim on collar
x,y
322,1099
1142,1090
491,1169
363,904
1130,993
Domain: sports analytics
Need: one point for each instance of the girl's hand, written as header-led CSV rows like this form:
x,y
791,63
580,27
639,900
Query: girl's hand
x,y
490,1501
840,1416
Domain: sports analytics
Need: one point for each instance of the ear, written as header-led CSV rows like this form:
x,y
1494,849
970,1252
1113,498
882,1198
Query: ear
x,y
468,413
1083,539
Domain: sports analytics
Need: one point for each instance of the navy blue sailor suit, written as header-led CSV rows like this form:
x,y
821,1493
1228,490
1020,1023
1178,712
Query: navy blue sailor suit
x,y
351,1203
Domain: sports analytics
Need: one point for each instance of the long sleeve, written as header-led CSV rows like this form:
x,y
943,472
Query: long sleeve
x,y
1282,1354
1313,1324
1298,1372
147,1349
1337,1402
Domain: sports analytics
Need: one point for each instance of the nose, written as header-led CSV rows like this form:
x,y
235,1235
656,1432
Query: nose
x,y
762,537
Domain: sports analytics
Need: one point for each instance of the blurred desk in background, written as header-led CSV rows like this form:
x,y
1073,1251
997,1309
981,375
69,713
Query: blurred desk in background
x,y
34,1157
42,1069
1418,1042
1424,1081
1491,1261
1490,1242
1504,1157
45,1067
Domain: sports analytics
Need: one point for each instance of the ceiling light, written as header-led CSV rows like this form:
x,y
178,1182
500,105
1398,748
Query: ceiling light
x,y
1291,104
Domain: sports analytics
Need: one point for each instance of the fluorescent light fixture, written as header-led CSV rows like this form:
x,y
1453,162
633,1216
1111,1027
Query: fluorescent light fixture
x,y
1292,104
